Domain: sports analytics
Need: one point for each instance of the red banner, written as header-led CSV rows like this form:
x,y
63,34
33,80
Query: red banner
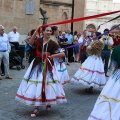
x,y
80,19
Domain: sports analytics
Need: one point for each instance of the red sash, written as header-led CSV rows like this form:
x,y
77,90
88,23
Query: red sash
x,y
45,69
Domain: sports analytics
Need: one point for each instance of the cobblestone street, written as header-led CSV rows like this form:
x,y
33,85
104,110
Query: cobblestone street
x,y
78,106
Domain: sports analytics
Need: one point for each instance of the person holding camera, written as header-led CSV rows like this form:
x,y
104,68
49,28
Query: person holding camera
x,y
108,43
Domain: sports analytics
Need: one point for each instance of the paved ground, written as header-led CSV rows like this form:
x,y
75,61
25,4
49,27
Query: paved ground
x,y
78,107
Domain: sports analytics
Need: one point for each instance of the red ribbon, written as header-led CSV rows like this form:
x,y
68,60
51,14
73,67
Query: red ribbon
x,y
44,78
79,19
45,56
42,56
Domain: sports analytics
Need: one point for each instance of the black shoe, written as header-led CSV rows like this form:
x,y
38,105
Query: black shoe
x,y
2,74
106,75
67,64
90,89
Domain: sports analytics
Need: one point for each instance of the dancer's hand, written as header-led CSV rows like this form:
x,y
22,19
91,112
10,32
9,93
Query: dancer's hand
x,y
38,27
51,57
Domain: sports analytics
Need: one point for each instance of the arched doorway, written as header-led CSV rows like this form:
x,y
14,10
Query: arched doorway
x,y
116,30
91,28
64,27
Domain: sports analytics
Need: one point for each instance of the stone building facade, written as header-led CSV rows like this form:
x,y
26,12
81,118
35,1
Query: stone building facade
x,y
25,14
98,7
59,10
16,13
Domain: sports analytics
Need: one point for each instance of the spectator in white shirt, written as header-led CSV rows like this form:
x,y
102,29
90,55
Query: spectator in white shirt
x,y
84,40
4,52
14,37
76,49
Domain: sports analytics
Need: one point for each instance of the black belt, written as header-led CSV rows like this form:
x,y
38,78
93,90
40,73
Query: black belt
x,y
3,50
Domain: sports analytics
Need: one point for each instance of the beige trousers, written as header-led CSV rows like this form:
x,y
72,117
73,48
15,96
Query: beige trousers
x,y
5,57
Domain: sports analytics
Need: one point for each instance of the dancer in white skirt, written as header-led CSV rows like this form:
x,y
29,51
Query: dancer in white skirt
x,y
91,72
107,106
62,71
59,63
41,85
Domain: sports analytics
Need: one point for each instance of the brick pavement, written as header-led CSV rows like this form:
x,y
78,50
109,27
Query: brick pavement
x,y
78,107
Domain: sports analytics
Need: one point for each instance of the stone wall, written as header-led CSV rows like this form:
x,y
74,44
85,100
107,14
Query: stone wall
x,y
57,11
79,10
61,10
13,13
98,7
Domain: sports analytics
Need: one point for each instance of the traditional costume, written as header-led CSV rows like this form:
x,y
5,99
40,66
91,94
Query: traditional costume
x,y
61,67
108,103
41,84
62,71
91,72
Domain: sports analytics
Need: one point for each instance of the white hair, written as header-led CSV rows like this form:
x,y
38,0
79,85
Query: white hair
x,y
14,27
1,27
63,33
85,31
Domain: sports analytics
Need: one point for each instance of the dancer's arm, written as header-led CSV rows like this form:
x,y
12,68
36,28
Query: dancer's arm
x,y
32,40
58,55
26,40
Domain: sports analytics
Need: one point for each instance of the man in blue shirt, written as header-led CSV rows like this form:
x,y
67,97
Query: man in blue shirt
x,y
4,52
70,42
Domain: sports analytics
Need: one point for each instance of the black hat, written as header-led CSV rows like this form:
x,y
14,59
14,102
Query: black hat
x,y
97,34
106,30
